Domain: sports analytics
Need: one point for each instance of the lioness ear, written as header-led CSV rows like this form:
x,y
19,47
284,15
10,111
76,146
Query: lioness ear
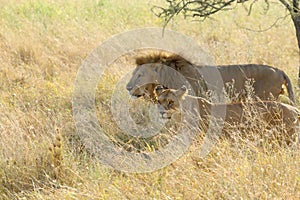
x,y
158,89
182,92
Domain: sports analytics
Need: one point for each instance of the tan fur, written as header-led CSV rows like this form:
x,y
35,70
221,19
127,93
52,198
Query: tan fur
x,y
268,81
272,113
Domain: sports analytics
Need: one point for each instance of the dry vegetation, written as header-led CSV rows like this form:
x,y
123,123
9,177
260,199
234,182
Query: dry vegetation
x,y
42,45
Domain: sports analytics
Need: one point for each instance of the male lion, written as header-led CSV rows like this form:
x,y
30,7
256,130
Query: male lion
x,y
270,113
268,81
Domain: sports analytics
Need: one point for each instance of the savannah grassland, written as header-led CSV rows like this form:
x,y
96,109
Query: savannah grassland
x,y
42,45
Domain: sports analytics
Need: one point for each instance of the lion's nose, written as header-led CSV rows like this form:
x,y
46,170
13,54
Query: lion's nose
x,y
128,87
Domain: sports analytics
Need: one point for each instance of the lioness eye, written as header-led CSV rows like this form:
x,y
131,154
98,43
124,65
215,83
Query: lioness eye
x,y
171,103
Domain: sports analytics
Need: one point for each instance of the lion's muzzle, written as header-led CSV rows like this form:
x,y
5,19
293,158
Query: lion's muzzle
x,y
129,87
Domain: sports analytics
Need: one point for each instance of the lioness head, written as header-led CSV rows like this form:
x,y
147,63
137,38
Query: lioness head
x,y
169,100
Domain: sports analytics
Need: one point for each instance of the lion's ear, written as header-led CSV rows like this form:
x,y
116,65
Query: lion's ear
x,y
158,89
182,92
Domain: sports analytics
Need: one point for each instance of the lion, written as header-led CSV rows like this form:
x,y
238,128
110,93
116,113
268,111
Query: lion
x,y
268,81
271,113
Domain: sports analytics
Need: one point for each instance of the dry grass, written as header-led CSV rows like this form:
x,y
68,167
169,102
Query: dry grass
x,y
42,45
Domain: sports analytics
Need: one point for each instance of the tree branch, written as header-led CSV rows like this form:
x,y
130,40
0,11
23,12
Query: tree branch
x,y
276,22
192,8
296,6
200,9
287,5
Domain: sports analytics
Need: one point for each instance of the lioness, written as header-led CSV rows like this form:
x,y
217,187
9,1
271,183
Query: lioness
x,y
271,113
267,80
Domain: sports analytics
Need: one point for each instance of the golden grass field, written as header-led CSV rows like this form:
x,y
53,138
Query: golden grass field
x,y
42,46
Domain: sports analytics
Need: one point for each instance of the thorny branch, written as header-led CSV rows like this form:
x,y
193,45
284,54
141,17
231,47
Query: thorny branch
x,y
193,8
202,9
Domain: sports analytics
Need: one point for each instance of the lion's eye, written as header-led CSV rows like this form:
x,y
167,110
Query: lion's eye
x,y
171,103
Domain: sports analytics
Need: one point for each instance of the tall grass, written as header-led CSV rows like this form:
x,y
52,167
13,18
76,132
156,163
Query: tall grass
x,y
42,45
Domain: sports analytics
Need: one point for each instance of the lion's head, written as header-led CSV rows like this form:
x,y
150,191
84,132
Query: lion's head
x,y
143,81
155,69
